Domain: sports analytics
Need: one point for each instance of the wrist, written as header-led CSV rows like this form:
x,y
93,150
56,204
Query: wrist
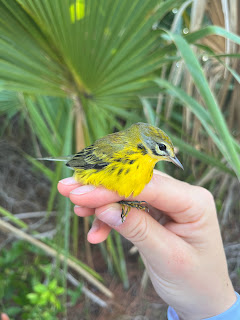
x,y
231,313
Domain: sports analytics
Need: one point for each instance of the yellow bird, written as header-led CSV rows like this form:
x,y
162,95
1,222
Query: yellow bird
x,y
124,161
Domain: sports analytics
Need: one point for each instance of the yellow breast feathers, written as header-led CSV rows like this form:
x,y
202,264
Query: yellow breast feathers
x,y
124,161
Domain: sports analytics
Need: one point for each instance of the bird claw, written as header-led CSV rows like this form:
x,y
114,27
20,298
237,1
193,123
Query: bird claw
x,y
140,205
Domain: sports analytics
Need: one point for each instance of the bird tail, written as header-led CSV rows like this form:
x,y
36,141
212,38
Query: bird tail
x,y
64,159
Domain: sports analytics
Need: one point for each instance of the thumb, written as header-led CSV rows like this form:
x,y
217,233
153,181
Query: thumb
x,y
151,238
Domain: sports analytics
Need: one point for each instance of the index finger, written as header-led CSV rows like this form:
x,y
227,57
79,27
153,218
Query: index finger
x,y
67,186
163,192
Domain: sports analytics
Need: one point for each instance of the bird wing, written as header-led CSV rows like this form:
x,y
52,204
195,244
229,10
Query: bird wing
x,y
87,159
98,155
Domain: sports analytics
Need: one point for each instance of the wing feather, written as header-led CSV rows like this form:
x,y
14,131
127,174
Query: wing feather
x,y
87,159
100,154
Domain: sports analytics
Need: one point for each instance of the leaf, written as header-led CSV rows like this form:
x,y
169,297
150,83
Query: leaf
x,y
201,113
33,297
195,107
52,284
12,218
61,47
40,288
59,291
228,148
191,151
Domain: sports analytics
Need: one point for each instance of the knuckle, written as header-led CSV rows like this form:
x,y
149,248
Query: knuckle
x,y
139,232
205,194
206,202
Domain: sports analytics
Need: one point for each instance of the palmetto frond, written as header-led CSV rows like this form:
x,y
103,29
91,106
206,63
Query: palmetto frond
x,y
102,50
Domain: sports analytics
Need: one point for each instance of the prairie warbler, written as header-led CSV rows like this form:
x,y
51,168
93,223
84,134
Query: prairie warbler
x,y
123,161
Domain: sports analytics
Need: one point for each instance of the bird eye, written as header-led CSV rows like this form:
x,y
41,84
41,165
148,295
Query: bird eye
x,y
162,147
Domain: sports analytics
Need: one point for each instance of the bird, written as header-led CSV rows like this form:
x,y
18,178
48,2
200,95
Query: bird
x,y
123,161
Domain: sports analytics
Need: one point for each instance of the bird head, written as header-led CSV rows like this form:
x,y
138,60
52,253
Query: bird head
x,y
158,143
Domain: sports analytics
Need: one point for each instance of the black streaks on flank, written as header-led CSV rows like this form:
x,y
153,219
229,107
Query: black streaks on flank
x,y
123,160
119,172
138,166
127,171
142,148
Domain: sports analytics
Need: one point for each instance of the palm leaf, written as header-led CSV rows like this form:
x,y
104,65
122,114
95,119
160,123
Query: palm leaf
x,y
106,50
227,146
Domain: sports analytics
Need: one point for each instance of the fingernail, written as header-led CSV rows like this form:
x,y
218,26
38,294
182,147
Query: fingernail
x,y
75,209
68,181
95,226
83,190
111,216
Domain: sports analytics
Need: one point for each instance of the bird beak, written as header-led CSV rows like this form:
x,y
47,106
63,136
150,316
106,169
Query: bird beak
x,y
176,162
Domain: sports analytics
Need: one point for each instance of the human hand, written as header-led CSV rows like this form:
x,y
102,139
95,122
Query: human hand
x,y
184,257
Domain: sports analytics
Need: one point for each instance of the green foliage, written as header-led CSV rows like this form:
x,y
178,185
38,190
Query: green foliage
x,y
45,294
74,294
105,56
66,64
205,118
23,293
201,114
226,147
115,35
12,218
44,301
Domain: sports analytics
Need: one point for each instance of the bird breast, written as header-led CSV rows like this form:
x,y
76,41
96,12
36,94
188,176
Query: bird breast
x,y
127,176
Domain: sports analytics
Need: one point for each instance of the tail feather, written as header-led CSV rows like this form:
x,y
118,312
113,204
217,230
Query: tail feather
x,y
64,159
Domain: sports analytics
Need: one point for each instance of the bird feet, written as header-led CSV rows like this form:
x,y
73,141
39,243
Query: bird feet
x,y
127,205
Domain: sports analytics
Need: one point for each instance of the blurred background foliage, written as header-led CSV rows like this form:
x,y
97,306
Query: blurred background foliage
x,y
72,71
